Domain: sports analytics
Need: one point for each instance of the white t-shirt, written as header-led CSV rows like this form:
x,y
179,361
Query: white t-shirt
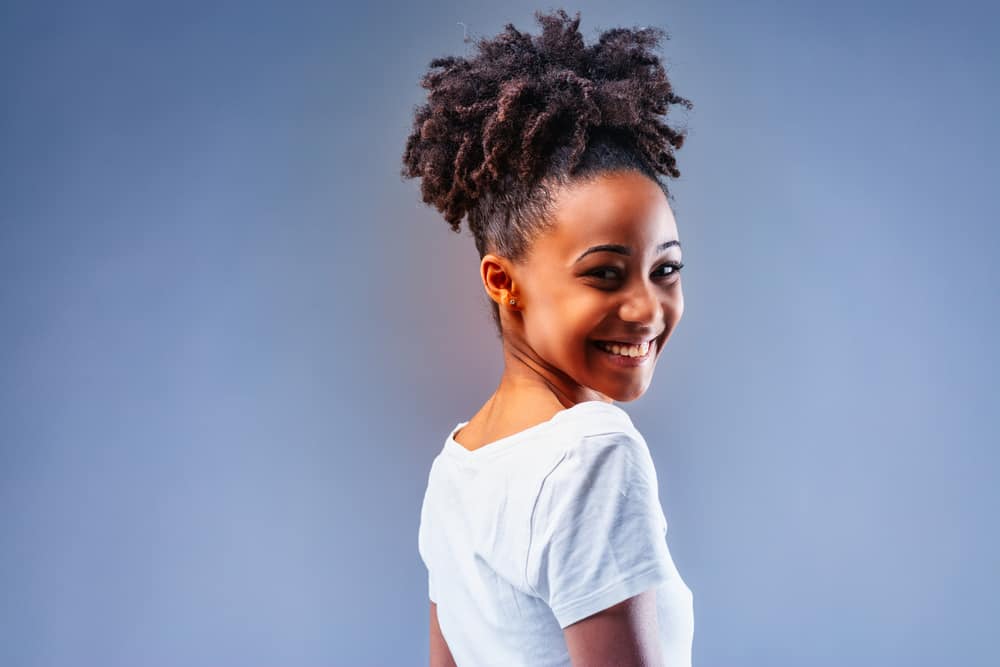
x,y
533,532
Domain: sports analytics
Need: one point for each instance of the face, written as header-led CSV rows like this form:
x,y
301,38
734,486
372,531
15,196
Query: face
x,y
607,272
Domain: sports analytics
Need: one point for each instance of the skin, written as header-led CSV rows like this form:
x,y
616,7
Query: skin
x,y
440,653
550,363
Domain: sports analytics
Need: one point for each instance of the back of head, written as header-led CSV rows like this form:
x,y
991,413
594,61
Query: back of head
x,y
501,131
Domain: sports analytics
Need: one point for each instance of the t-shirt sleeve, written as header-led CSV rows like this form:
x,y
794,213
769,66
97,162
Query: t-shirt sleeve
x,y
423,538
431,594
597,529
422,550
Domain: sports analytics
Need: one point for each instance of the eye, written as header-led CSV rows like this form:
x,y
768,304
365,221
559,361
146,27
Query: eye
x,y
674,266
597,273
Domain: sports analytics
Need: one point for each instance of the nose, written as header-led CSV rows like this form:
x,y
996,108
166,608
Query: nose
x,y
642,305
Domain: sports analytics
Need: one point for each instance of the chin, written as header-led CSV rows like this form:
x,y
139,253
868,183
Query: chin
x,y
626,395
634,396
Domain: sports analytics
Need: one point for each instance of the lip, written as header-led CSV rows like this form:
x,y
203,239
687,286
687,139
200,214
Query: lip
x,y
628,340
628,362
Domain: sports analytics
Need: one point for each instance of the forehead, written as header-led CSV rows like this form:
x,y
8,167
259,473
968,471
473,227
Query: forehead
x,y
621,207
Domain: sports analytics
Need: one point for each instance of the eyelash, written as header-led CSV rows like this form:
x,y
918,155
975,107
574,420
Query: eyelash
x,y
676,269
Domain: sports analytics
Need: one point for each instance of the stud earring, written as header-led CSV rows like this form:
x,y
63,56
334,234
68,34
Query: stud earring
x,y
513,302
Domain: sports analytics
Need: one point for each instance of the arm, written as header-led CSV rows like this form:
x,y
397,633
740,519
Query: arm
x,y
440,653
625,635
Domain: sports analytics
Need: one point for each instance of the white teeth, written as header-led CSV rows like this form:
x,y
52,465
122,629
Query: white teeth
x,y
626,350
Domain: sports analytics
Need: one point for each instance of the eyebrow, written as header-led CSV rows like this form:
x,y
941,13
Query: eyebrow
x,y
623,250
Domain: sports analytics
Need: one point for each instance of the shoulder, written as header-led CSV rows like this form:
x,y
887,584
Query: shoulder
x,y
602,462
597,417
595,468
601,438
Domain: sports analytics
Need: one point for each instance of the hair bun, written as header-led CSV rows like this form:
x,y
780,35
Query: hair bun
x,y
524,99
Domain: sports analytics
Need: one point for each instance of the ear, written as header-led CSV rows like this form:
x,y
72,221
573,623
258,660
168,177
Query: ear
x,y
498,280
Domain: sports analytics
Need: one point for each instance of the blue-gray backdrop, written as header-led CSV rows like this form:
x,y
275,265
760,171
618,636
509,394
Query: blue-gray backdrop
x,y
232,338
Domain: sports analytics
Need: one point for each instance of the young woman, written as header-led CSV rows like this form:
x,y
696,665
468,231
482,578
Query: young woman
x,y
541,525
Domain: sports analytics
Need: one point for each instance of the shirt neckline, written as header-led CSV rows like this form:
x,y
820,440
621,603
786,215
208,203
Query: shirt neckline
x,y
495,447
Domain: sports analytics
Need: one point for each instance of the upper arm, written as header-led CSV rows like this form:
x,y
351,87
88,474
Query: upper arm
x,y
440,653
625,634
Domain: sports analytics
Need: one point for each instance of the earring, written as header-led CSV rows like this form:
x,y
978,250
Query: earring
x,y
513,301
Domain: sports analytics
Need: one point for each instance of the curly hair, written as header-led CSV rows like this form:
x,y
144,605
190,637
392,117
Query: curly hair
x,y
501,131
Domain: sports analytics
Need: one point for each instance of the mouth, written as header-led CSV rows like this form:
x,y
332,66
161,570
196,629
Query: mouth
x,y
625,354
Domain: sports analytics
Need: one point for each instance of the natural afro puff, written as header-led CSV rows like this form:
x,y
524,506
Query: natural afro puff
x,y
500,130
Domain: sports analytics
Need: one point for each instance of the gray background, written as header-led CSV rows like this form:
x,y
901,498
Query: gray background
x,y
232,338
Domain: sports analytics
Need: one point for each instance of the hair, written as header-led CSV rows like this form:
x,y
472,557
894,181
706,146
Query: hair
x,y
502,131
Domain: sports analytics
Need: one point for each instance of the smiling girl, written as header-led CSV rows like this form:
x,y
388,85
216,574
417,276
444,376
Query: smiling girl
x,y
541,526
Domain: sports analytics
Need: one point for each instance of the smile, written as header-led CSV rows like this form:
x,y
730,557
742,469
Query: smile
x,y
626,355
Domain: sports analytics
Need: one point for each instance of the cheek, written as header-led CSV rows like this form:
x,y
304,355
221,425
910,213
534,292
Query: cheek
x,y
562,324
677,305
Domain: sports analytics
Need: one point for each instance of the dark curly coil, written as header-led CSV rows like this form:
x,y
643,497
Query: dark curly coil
x,y
531,108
